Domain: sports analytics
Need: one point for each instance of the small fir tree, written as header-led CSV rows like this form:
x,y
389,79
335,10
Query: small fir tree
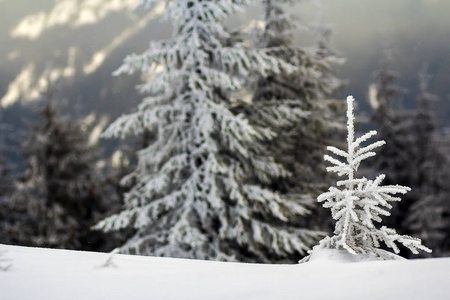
x,y
356,203
196,191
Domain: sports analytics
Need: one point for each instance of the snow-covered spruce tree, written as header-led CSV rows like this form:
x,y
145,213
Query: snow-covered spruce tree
x,y
195,194
356,203
299,145
59,197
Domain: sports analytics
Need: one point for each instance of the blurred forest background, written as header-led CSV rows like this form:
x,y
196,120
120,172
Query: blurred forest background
x,y
57,57
83,42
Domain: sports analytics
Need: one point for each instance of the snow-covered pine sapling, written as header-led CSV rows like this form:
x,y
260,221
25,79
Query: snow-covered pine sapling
x,y
356,203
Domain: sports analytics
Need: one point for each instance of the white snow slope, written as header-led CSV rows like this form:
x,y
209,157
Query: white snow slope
x,y
63,275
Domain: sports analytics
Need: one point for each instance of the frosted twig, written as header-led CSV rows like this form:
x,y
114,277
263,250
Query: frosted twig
x,y
109,261
4,268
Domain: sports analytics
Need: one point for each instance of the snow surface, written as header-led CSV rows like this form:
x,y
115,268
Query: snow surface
x,y
63,275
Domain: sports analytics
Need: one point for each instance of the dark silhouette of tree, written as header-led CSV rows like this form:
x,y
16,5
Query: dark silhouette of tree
x,y
311,116
6,184
428,216
412,157
395,127
61,194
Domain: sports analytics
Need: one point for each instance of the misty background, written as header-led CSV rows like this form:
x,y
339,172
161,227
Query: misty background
x,y
79,43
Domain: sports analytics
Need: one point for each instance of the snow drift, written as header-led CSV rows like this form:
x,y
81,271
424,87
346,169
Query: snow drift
x,y
36,273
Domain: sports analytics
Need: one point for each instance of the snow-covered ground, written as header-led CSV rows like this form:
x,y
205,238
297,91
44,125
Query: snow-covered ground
x,y
63,275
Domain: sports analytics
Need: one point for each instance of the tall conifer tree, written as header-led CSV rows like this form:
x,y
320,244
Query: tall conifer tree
x,y
395,126
412,157
299,145
197,191
428,217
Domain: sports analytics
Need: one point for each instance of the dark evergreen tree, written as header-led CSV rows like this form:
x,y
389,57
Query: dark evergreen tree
x,y
428,217
395,127
5,168
300,142
6,185
412,158
301,136
60,196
